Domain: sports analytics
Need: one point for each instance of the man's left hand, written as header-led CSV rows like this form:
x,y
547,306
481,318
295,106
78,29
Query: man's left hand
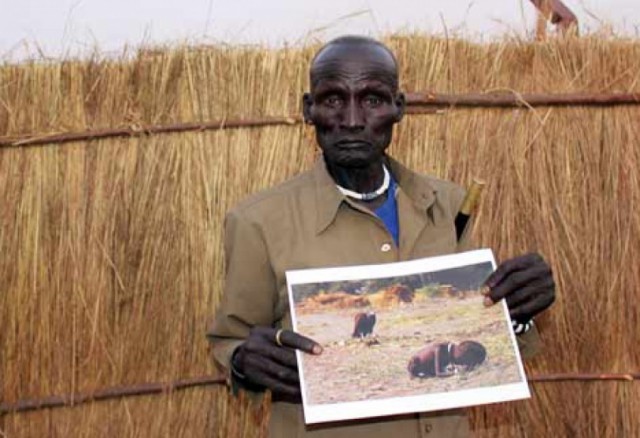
x,y
526,282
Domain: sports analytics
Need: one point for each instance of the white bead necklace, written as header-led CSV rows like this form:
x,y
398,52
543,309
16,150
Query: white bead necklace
x,y
371,195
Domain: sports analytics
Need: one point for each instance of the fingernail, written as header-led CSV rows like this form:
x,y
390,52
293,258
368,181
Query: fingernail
x,y
317,349
487,301
485,290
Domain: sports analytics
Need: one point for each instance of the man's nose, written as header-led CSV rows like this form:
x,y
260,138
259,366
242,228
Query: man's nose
x,y
353,116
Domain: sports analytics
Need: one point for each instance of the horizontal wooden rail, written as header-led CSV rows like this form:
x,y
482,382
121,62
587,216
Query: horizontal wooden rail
x,y
135,130
57,401
417,103
583,377
157,388
516,100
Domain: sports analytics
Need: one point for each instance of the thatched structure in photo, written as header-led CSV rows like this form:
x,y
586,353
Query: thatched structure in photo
x,y
115,176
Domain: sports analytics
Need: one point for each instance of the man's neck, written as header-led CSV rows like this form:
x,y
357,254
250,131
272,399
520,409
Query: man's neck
x,y
361,180
358,179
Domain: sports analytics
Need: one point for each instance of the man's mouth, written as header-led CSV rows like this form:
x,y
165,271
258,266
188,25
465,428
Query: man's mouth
x,y
352,144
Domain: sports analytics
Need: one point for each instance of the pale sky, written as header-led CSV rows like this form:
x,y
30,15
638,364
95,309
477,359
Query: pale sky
x,y
54,28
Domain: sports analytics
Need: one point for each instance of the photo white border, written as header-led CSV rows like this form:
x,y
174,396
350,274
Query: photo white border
x,y
407,404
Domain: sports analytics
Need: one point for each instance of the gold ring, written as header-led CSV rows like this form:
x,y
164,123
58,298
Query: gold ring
x,y
278,341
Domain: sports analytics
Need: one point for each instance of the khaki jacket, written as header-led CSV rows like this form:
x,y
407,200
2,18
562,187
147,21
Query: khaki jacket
x,y
307,223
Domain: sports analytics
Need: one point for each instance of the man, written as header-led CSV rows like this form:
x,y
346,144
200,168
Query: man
x,y
357,206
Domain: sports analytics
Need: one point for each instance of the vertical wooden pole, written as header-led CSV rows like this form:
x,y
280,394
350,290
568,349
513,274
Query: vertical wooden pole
x,y
541,22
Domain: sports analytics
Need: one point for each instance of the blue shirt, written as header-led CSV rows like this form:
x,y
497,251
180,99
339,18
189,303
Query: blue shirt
x,y
388,212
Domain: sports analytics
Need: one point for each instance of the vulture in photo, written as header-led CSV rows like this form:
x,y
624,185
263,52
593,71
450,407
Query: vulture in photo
x,y
363,324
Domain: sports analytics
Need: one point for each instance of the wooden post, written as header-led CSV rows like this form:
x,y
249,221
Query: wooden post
x,y
541,19
557,13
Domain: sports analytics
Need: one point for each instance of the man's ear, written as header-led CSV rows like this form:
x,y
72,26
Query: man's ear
x,y
307,102
401,105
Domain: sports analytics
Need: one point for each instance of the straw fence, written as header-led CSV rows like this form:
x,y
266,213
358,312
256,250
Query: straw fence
x,y
110,245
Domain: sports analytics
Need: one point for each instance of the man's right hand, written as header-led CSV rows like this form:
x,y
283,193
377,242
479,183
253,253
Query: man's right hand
x,y
264,362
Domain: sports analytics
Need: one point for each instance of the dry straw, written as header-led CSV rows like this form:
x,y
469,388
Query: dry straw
x,y
111,249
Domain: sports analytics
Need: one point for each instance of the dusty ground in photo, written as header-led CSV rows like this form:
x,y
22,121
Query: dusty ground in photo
x,y
354,370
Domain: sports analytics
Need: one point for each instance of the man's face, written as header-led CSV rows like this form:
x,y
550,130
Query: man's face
x,y
354,103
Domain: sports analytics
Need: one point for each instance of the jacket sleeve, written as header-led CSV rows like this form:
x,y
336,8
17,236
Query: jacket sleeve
x,y
250,290
529,343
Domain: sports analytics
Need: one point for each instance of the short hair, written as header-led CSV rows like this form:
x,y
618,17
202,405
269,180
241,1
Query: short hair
x,y
354,41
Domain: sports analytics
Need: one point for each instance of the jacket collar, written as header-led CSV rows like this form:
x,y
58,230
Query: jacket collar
x,y
329,199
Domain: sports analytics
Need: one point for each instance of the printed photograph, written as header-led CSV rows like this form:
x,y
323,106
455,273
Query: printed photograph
x,y
403,337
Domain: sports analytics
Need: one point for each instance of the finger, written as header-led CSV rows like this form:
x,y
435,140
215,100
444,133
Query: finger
x,y
262,332
520,296
259,365
526,294
517,280
299,342
277,386
525,311
288,338
510,266
284,355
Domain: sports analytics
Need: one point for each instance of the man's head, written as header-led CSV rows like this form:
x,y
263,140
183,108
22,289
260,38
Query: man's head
x,y
468,353
354,100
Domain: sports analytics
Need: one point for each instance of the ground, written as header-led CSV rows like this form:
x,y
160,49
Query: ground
x,y
353,370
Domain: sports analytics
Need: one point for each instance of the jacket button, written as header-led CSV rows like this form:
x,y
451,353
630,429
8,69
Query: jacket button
x,y
385,247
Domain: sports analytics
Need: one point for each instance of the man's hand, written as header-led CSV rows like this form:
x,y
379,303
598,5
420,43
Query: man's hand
x,y
526,282
267,358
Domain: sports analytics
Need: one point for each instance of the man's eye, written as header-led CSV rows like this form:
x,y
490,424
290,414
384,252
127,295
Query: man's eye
x,y
372,100
333,101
